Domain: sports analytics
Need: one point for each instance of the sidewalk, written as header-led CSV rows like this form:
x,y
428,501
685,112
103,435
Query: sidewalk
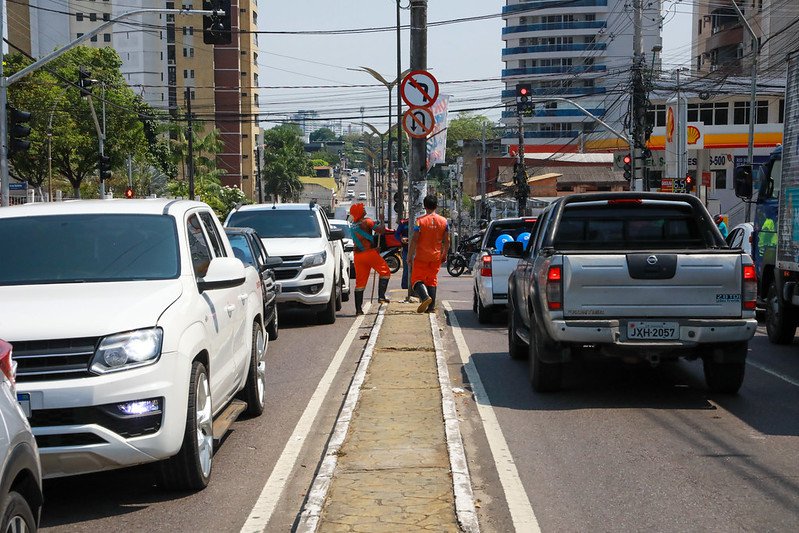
x,y
388,466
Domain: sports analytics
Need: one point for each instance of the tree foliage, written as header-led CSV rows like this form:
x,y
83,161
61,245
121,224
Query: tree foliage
x,y
465,127
322,134
285,161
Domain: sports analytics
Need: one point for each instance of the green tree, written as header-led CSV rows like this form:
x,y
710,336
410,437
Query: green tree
x,y
322,134
285,161
75,146
465,127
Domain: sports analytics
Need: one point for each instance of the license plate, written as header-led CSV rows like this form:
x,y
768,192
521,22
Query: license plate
x,y
653,330
24,400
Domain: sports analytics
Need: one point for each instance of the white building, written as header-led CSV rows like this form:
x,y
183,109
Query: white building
x,y
582,49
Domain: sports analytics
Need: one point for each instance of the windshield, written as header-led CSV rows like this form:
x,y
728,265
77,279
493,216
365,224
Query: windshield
x,y
278,223
511,228
87,248
241,248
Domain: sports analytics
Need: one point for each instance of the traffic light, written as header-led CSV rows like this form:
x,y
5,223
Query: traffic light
x,y
129,192
628,166
85,82
18,130
217,28
523,93
105,167
689,183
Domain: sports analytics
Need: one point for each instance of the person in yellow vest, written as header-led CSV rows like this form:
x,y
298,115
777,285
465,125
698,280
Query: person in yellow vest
x,y
427,251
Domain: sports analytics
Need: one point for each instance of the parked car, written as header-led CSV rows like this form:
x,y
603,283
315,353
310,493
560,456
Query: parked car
x,y
311,275
247,246
20,470
143,314
349,245
350,193
635,275
741,237
362,196
491,274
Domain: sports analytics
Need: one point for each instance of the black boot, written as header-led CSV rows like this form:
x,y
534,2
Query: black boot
x,y
382,286
432,292
358,301
424,298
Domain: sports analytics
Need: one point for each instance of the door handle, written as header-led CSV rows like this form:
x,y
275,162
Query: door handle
x,y
230,309
243,297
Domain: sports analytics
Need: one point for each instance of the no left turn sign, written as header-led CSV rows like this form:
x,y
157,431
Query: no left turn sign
x,y
418,122
419,89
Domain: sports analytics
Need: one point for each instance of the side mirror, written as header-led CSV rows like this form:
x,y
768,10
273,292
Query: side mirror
x,y
272,262
336,234
349,248
513,249
742,180
222,273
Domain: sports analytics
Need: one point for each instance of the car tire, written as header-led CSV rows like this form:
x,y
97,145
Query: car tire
x,y
516,348
338,292
393,262
474,300
544,377
352,270
254,392
780,321
17,514
190,469
328,316
484,314
726,377
272,329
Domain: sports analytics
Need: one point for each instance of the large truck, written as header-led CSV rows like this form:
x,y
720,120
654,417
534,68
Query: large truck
x,y
775,237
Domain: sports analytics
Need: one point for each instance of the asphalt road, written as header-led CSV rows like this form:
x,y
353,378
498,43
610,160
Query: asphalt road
x,y
128,500
630,448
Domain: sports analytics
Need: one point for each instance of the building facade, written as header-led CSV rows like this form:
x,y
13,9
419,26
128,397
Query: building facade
x,y
580,50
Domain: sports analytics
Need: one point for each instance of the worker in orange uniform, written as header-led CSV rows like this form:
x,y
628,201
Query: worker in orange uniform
x,y
428,250
367,257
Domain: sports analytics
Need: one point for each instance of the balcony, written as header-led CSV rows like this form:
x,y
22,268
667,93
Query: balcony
x,y
558,91
543,48
551,26
567,69
729,36
551,4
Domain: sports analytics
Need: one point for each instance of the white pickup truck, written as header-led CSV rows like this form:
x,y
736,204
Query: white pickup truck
x,y
639,276
492,269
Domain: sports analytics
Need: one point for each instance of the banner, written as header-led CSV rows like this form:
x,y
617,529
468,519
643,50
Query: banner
x,y
437,141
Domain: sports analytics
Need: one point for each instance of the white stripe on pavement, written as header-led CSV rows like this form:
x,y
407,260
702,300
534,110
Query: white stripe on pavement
x,y
521,510
772,372
265,505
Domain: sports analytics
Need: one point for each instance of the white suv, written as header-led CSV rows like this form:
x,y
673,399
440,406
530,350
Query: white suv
x,y
125,315
311,275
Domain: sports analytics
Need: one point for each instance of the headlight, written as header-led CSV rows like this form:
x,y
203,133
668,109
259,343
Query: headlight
x,y
314,259
124,351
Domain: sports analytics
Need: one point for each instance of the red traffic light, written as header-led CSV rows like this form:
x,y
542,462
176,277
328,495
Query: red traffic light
x,y
129,192
627,160
523,91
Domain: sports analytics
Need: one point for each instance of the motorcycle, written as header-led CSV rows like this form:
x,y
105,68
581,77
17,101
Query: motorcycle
x,y
393,258
456,264
458,261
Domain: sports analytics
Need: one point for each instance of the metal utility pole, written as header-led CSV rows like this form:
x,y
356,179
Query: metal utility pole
x,y
418,154
752,98
522,189
190,138
639,99
400,173
258,174
483,184
101,137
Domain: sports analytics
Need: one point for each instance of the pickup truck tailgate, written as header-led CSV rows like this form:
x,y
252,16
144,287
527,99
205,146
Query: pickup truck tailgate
x,y
501,269
697,285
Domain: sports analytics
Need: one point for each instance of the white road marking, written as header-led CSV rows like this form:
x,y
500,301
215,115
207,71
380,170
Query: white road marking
x,y
521,510
773,372
265,505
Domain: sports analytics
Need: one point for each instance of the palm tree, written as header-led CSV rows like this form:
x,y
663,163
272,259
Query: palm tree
x,y
285,161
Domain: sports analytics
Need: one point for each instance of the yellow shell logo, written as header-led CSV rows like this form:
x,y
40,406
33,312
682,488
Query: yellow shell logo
x,y
693,134
670,125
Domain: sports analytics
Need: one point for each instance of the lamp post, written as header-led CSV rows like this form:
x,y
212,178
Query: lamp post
x,y
382,182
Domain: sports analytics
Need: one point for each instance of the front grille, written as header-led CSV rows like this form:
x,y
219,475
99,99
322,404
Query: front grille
x,y
53,359
282,275
107,416
68,439
290,258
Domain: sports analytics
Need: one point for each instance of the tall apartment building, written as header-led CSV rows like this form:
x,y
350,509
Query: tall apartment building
x,y
722,44
581,49
164,59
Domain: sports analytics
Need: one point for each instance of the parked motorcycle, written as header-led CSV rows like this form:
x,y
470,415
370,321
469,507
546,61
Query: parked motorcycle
x,y
393,258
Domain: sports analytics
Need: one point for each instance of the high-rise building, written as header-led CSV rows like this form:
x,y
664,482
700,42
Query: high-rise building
x,y
582,50
721,43
165,60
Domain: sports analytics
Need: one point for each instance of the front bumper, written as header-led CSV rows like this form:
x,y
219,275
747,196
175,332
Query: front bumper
x,y
74,438
311,287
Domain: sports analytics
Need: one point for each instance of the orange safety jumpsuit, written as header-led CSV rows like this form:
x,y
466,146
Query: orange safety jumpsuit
x,y
366,255
430,230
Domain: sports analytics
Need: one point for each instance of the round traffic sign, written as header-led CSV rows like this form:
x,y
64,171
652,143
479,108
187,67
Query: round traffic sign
x,y
419,89
418,122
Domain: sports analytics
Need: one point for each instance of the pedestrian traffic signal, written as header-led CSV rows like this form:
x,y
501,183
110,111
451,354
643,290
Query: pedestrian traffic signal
x,y
627,166
18,130
217,28
105,167
85,82
129,192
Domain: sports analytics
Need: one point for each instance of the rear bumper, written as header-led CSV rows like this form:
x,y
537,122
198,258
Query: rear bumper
x,y
693,332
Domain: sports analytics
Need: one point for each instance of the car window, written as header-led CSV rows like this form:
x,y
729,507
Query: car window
x,y
278,223
514,229
213,234
241,248
737,239
88,248
325,222
258,250
198,245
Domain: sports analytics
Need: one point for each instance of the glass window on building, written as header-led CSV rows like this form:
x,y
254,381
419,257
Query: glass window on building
x,y
721,112
781,113
761,115
106,37
93,17
740,113
79,17
693,112
590,17
93,39
720,179
106,16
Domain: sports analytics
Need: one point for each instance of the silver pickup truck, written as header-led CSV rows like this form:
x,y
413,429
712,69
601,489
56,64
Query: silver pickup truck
x,y
638,276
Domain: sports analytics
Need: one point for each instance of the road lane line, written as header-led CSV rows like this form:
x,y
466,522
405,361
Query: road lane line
x,y
267,501
772,372
312,511
519,506
461,480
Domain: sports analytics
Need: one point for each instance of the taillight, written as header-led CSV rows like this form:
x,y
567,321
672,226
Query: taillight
x,y
7,366
749,289
485,266
555,288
